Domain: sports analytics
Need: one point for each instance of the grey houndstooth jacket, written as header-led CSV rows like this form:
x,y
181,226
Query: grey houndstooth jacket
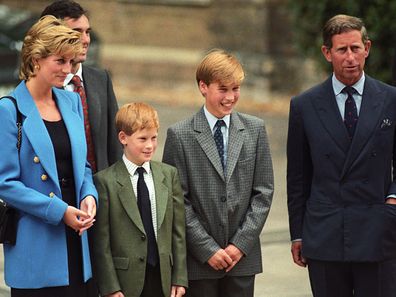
x,y
222,208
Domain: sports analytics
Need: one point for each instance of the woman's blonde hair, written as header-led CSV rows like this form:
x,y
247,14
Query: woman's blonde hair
x,y
136,116
220,66
48,36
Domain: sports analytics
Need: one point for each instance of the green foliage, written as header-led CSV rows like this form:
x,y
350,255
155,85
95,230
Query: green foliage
x,y
309,17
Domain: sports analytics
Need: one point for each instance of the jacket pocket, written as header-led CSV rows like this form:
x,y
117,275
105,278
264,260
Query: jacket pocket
x,y
121,263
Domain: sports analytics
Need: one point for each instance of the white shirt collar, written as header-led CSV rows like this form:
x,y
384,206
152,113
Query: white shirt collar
x,y
212,119
70,76
131,167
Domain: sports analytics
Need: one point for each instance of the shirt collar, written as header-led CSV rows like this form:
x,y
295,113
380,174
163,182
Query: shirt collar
x,y
212,119
131,167
70,76
339,86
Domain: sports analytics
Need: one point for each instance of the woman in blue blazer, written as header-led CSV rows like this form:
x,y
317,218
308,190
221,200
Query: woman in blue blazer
x,y
49,181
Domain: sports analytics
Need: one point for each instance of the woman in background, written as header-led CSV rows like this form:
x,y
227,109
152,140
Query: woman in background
x,y
49,181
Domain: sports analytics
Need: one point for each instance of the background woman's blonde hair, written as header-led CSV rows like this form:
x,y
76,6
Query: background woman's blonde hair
x,y
220,66
132,117
48,36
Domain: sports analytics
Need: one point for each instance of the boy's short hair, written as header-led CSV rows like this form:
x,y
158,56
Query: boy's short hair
x,y
48,36
220,66
136,116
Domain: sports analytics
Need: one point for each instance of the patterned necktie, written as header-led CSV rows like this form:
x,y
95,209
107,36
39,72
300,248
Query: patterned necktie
x,y
350,113
218,137
78,88
144,205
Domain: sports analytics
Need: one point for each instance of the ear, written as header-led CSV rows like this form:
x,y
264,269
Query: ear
x,y
36,64
122,137
326,53
367,47
203,88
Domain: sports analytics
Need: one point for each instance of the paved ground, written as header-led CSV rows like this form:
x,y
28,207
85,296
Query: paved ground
x,y
281,278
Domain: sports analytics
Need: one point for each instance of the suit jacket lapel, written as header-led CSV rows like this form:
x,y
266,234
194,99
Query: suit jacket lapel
x,y
206,141
329,115
127,195
235,142
161,192
36,131
92,91
370,111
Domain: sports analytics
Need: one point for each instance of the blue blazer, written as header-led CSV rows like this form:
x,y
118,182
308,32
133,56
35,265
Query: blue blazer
x,y
29,182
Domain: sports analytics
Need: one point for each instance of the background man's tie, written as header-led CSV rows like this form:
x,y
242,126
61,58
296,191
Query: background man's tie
x,y
78,88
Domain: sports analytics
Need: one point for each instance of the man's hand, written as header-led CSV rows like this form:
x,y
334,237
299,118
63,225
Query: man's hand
x,y
235,255
391,201
177,291
296,253
220,260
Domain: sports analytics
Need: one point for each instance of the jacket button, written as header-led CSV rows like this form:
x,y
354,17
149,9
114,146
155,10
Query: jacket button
x,y
44,177
141,259
143,237
51,194
223,199
36,159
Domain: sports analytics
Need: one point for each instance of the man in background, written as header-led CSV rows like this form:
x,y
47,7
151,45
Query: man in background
x,y
95,88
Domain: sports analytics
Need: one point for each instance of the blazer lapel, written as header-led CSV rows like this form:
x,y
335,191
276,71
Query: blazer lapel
x,y
93,89
370,111
127,195
161,192
329,115
206,141
36,131
236,138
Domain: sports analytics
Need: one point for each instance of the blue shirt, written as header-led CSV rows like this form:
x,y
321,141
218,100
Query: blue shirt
x,y
342,97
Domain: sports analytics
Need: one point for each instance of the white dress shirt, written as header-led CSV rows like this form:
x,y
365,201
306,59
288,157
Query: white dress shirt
x,y
67,84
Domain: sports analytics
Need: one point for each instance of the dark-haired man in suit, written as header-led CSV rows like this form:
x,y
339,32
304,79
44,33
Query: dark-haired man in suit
x,y
341,151
102,141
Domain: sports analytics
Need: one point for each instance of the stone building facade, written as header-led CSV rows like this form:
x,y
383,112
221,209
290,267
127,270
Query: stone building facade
x,y
152,47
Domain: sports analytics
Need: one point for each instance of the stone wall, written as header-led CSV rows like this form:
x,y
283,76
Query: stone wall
x,y
158,43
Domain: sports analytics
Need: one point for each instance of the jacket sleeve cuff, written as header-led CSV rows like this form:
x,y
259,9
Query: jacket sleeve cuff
x,y
56,210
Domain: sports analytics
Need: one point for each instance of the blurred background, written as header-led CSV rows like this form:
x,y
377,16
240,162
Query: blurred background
x,y
152,48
